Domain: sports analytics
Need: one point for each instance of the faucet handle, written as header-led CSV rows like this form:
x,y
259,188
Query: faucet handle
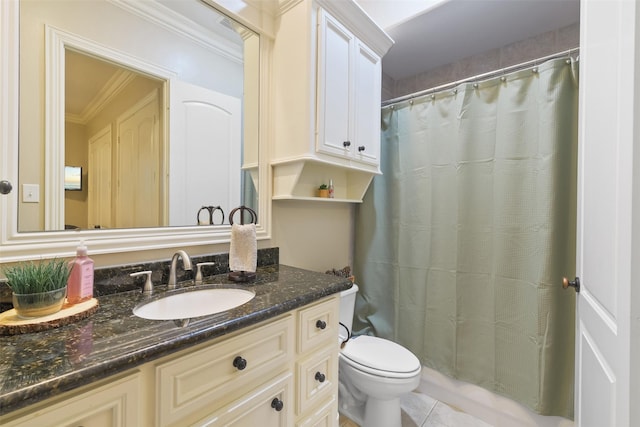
x,y
148,284
199,271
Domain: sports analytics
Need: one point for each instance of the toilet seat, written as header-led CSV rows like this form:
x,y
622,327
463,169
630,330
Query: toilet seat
x,y
381,357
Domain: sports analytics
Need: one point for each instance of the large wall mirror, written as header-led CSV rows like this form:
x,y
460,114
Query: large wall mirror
x,y
133,116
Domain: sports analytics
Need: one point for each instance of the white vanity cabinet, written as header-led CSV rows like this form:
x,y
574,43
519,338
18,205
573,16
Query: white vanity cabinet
x,y
278,373
327,77
317,364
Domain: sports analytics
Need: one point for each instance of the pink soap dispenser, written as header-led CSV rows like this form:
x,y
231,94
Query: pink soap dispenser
x,y
80,284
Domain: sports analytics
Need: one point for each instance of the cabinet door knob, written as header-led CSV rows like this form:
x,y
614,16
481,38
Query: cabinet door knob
x,y
346,144
239,363
320,377
277,404
361,148
321,324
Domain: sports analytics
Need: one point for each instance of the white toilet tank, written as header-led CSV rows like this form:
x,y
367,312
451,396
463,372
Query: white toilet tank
x,y
347,306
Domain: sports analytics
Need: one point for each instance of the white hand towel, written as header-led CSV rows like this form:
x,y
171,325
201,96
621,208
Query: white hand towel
x,y
243,252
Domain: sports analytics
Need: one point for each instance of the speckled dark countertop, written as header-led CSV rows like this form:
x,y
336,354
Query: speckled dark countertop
x,y
37,366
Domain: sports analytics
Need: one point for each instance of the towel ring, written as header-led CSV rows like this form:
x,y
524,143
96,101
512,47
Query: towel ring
x,y
243,209
211,210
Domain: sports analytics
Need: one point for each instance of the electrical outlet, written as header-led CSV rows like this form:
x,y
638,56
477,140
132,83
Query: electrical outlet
x,y
30,193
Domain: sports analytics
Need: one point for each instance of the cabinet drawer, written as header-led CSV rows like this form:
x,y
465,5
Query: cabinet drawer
x,y
318,324
258,408
325,416
113,405
317,378
194,385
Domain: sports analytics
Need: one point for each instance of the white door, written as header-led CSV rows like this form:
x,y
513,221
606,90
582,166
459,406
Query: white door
x,y
604,342
99,175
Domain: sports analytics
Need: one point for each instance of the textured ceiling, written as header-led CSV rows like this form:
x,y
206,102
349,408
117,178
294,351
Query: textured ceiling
x,y
454,29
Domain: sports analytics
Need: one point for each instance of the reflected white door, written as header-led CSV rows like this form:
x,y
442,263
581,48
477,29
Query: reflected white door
x,y
99,176
604,338
206,171
137,202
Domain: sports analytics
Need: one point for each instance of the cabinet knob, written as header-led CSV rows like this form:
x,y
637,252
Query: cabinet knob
x,y
277,404
320,377
361,148
239,363
321,324
346,144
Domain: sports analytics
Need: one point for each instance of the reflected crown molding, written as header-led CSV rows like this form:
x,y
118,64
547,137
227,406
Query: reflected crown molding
x,y
111,89
216,40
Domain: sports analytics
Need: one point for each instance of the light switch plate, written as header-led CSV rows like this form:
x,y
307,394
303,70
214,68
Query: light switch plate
x,y
30,193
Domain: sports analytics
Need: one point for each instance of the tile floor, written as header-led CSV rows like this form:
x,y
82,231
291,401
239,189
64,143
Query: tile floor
x,y
420,410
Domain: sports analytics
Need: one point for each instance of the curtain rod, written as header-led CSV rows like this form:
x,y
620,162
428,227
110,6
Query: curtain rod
x,y
517,67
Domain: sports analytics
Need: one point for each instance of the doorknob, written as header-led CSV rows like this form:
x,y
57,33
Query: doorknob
x,y
5,187
573,283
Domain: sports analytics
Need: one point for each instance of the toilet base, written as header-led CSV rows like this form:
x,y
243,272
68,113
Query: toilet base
x,y
374,413
382,413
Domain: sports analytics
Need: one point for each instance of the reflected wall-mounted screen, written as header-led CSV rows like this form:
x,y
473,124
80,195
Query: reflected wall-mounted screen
x,y
73,178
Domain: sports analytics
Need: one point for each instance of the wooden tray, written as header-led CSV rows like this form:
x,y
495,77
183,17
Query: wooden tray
x,y
11,324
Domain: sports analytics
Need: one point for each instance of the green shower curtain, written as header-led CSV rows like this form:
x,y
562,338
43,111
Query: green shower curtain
x,y
462,243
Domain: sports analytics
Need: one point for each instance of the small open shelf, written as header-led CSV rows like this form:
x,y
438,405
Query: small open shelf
x,y
300,179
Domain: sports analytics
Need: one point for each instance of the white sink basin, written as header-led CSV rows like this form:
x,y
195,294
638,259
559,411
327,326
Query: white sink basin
x,y
193,303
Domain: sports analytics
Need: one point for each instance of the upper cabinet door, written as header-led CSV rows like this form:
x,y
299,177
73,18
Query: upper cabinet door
x,y
335,69
367,87
349,91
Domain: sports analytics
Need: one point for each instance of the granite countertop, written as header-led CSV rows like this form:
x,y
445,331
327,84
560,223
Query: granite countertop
x,y
40,365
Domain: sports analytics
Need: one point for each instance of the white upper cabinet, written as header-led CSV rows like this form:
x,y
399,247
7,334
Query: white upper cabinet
x,y
349,91
327,92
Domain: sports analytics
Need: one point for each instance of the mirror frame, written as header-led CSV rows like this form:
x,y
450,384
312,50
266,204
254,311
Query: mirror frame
x,y
15,246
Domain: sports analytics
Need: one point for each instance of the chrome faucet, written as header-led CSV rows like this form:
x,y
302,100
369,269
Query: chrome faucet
x,y
186,262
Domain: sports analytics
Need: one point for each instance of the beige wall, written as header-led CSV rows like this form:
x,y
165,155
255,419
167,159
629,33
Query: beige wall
x,y
532,48
317,236
75,202
313,235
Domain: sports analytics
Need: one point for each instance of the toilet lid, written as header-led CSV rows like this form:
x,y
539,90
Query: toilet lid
x,y
379,354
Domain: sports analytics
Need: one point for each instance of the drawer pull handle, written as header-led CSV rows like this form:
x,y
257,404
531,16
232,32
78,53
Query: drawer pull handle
x,y
361,148
321,324
320,377
239,363
277,404
346,144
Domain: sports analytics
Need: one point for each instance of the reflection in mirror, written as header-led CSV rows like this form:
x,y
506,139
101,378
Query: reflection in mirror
x,y
113,118
159,128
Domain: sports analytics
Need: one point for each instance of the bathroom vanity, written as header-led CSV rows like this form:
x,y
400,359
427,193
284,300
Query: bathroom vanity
x,y
271,362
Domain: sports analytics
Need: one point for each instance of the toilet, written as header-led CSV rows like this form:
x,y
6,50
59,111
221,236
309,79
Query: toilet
x,y
373,373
